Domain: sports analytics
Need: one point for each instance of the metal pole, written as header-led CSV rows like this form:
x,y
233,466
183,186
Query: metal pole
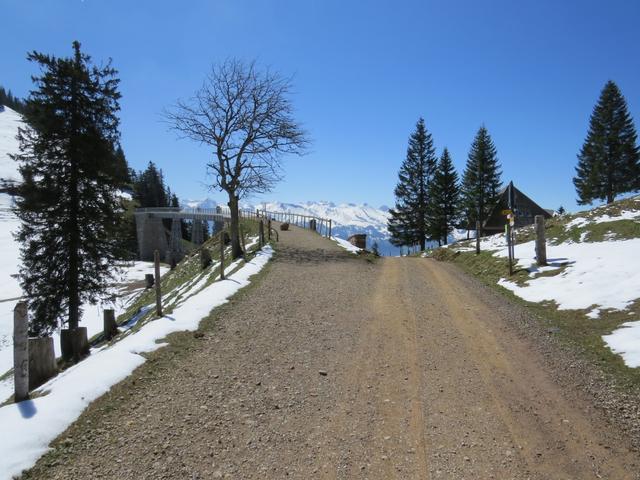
x,y
509,247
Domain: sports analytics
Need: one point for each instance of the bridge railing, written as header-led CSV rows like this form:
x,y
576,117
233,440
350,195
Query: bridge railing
x,y
321,225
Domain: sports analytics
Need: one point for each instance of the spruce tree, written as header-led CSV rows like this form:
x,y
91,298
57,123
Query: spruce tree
x,y
481,180
609,161
150,189
408,222
68,201
444,199
8,100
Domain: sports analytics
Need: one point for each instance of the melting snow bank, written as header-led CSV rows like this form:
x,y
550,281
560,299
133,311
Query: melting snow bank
x,y
28,427
625,341
604,274
346,245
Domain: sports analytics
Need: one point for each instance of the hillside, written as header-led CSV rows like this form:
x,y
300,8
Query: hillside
x,y
10,121
590,290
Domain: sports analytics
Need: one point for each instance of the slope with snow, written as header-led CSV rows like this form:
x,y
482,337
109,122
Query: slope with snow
x,y
29,426
10,121
593,265
10,291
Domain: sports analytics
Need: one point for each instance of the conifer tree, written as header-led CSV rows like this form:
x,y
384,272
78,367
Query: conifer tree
x,y
408,222
609,161
444,199
150,189
9,100
68,201
481,180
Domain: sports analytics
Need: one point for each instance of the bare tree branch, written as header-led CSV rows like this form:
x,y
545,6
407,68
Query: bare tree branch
x,y
246,117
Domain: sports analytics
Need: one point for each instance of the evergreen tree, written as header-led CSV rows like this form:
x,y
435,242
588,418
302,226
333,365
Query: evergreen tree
x,y
8,100
68,201
121,165
149,188
481,180
560,210
609,161
444,198
408,222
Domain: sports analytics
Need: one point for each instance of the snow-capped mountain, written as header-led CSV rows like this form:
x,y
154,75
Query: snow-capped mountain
x,y
347,218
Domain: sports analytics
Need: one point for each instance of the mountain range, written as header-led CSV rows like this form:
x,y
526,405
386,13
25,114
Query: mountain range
x,y
347,218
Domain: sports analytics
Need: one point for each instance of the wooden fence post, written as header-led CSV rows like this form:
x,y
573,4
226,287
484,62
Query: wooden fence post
x,y
330,222
156,261
261,234
541,244
269,228
477,237
21,351
109,325
222,255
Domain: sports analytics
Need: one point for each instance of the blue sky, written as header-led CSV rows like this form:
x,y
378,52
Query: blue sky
x,y
364,72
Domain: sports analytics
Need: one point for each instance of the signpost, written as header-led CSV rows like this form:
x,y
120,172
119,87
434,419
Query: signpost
x,y
511,220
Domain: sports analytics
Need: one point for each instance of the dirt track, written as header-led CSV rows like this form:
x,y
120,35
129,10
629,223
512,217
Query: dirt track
x,y
334,367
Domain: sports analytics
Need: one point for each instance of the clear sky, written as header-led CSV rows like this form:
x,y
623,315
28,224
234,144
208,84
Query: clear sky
x,y
364,72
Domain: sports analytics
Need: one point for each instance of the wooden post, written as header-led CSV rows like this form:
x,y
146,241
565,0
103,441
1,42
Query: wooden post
x,y
330,221
261,234
477,237
110,327
222,255
21,352
156,261
269,229
541,244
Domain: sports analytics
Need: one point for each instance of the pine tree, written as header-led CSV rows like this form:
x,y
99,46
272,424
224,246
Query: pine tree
x,y
444,199
8,100
149,188
609,161
68,201
408,222
560,210
481,180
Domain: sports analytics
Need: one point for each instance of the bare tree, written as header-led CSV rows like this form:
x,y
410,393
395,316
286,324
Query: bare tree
x,y
246,117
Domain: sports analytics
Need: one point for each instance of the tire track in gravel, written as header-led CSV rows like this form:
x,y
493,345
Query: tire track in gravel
x,y
551,432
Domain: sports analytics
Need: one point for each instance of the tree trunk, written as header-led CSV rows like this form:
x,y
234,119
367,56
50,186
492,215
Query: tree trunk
x,y
74,203
234,227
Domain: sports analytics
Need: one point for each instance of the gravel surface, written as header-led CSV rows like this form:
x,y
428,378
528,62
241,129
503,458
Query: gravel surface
x,y
331,366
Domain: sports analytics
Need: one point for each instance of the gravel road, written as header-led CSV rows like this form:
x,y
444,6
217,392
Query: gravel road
x,y
331,366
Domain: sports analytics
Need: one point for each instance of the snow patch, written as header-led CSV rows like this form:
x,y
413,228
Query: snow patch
x,y
28,427
346,245
625,341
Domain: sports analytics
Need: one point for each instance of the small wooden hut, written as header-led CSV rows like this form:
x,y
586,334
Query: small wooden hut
x,y
522,206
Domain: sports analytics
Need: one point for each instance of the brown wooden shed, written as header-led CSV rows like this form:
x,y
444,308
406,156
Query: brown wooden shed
x,y
522,206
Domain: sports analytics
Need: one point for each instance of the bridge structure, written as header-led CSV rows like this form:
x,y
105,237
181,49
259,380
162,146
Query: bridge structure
x,y
152,234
